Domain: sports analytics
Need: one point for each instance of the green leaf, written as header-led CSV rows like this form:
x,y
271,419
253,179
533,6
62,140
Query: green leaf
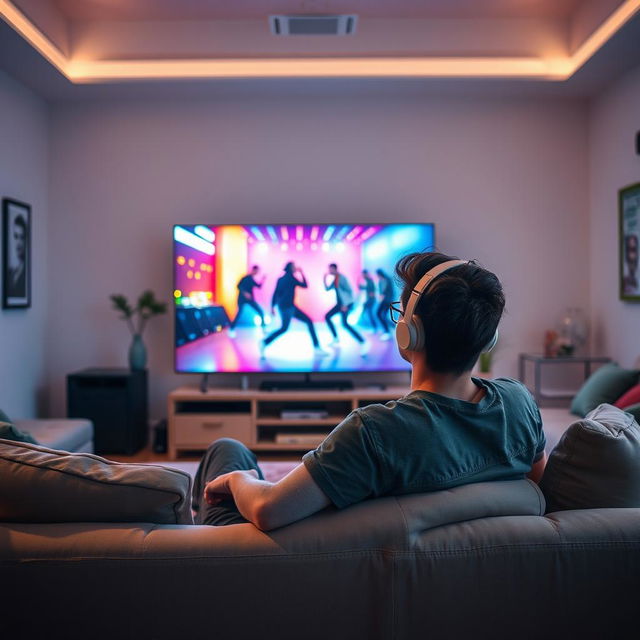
x,y
120,303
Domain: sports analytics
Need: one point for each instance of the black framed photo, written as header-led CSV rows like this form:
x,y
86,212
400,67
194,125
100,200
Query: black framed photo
x,y
629,212
16,254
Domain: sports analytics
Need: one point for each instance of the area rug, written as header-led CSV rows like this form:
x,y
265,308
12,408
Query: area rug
x,y
273,471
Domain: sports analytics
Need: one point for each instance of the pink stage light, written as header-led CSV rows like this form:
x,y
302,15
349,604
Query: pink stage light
x,y
368,233
299,233
314,233
285,233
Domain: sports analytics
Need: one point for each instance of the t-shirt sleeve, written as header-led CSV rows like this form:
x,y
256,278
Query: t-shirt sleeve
x,y
541,442
345,465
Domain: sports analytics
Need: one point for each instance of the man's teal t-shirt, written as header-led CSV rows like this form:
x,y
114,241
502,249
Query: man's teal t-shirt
x,y
426,442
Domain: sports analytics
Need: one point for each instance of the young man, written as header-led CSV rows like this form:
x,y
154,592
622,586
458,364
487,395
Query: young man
x,y
451,429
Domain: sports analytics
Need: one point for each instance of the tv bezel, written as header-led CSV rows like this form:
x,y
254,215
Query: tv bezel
x,y
281,371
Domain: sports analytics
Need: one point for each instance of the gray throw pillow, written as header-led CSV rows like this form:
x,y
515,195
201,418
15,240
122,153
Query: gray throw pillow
x,y
605,385
47,485
9,431
596,463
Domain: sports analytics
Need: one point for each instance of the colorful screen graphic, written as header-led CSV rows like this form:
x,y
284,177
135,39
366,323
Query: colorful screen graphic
x,y
289,298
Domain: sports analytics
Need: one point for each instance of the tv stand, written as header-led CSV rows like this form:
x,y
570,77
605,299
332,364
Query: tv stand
x,y
306,383
279,420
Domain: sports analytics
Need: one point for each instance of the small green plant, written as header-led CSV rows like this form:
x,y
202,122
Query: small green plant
x,y
138,316
485,362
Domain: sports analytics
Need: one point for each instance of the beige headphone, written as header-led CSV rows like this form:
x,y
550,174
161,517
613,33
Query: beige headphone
x,y
409,330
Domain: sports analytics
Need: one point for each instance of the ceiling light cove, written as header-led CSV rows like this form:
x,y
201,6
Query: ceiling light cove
x,y
80,71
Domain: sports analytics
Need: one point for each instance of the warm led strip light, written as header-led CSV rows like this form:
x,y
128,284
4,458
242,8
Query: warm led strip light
x,y
84,72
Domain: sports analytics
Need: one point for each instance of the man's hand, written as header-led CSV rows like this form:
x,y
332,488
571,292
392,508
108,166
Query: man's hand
x,y
220,488
266,504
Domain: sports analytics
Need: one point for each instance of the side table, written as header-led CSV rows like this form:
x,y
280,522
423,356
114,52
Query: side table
x,y
539,360
115,400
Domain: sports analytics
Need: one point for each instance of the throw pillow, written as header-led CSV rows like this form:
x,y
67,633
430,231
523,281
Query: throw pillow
x,y
604,386
632,396
46,485
634,410
9,431
596,463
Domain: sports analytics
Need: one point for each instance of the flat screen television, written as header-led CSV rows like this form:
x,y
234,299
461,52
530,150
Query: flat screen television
x,y
254,298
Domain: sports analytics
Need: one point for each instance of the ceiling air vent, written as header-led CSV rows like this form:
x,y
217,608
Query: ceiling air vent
x,y
313,25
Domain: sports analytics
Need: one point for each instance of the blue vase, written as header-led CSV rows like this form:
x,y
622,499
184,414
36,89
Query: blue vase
x,y
137,354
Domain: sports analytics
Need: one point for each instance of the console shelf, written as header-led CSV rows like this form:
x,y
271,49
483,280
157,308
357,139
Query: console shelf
x,y
254,417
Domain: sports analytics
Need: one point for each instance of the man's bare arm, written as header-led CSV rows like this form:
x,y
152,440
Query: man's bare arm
x,y
269,505
538,468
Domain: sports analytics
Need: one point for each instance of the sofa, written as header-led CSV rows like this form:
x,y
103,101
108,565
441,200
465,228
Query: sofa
x,y
69,434
91,548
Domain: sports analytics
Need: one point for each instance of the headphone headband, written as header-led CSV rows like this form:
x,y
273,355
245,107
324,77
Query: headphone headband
x,y
425,281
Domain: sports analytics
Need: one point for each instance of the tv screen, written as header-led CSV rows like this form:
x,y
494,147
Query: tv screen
x,y
289,298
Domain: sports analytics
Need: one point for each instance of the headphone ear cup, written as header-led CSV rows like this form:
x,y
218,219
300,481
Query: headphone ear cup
x,y
403,334
418,333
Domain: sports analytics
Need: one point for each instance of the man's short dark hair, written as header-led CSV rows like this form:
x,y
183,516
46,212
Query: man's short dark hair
x,y
333,265
460,311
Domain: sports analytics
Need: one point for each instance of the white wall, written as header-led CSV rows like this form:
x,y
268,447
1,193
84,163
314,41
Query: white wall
x,y
23,176
614,121
503,179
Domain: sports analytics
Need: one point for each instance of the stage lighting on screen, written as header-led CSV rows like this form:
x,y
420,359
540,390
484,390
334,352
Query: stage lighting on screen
x,y
263,298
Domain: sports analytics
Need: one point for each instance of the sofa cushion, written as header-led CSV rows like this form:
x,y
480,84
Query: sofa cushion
x,y
628,398
68,434
596,463
47,485
605,385
9,431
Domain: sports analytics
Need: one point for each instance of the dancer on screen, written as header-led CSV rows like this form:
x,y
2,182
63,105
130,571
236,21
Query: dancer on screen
x,y
344,303
284,299
368,286
245,286
385,288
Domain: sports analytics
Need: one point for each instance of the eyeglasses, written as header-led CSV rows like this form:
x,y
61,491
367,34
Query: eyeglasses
x,y
395,311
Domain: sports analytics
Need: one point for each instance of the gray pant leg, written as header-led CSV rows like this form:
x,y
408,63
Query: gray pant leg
x,y
222,456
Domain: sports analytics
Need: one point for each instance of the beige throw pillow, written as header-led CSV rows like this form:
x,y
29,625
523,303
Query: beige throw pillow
x,y
46,485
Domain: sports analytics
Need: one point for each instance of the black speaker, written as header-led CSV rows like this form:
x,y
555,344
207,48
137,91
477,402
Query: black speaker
x,y
638,143
115,400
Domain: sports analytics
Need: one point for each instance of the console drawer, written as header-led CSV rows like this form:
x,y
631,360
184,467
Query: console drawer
x,y
199,430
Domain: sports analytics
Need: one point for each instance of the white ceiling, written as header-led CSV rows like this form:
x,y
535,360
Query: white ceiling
x,y
107,41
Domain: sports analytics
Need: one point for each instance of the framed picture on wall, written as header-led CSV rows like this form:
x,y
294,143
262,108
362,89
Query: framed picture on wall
x,y
629,212
16,254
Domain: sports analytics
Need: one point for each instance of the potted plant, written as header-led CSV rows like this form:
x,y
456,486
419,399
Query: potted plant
x,y
137,318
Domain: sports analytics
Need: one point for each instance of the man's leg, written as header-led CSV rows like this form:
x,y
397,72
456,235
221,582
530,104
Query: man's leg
x,y
222,456
383,310
258,309
368,308
328,316
303,317
286,314
347,326
237,316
